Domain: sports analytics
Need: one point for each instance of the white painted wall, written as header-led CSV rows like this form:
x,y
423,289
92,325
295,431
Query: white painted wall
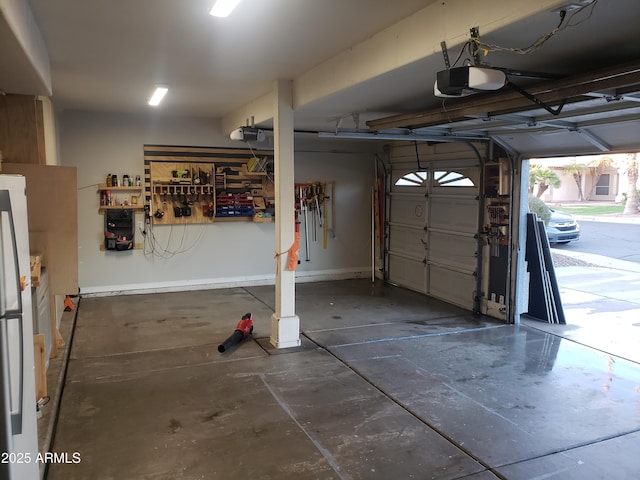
x,y
205,256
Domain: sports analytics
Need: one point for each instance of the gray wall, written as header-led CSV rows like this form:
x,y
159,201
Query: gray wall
x,y
206,256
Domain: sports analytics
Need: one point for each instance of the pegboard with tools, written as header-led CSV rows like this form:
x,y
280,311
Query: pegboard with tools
x,y
188,185
182,192
315,210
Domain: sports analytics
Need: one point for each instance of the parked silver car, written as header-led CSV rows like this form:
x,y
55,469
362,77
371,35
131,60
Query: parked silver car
x,y
562,228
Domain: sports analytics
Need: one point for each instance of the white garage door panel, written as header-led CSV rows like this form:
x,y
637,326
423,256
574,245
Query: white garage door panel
x,y
453,287
408,209
431,246
407,273
454,214
406,241
454,250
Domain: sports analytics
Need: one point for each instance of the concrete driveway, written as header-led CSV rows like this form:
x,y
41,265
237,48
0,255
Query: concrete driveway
x,y
601,299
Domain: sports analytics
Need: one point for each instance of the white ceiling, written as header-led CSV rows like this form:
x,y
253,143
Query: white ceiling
x,y
369,57
107,57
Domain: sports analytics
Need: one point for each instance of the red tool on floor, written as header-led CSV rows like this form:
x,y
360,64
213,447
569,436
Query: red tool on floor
x,y
244,328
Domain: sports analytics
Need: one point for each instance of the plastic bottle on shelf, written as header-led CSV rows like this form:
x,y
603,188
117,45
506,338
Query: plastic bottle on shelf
x,y
114,181
138,182
125,180
109,180
109,199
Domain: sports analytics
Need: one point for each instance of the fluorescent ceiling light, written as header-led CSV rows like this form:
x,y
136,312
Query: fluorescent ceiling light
x,y
223,8
158,95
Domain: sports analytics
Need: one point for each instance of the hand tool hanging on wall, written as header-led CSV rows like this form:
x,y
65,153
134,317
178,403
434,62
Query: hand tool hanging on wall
x,y
244,328
315,198
303,203
312,202
332,197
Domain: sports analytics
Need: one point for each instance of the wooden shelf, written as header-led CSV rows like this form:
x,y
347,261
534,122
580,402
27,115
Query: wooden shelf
x,y
136,246
135,208
103,187
233,219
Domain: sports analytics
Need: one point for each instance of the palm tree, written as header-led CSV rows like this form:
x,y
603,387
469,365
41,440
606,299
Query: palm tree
x,y
632,203
597,168
544,178
576,170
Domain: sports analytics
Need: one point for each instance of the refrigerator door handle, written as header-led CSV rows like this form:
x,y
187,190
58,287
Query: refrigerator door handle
x,y
16,409
5,417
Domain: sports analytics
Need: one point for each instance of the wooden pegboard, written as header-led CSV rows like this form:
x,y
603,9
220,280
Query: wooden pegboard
x,y
206,184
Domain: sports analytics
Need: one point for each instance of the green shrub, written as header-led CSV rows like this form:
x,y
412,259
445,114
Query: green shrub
x,y
624,197
540,208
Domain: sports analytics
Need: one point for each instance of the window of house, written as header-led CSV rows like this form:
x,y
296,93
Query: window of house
x,y
602,187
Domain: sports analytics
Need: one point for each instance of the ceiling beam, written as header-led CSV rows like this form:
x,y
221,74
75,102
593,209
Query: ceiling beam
x,y
411,40
257,112
508,101
26,66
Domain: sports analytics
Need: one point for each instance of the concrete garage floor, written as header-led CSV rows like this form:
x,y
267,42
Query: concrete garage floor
x,y
387,384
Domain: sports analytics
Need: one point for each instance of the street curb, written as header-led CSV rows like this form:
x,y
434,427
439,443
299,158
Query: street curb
x,y
600,260
635,219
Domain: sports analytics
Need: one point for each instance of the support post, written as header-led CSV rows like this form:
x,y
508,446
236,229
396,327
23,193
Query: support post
x,y
285,324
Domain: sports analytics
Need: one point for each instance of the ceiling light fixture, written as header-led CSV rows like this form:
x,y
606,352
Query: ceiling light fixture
x,y
157,96
223,8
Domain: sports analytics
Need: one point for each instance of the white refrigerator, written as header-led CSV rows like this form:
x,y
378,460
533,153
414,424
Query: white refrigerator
x,y
18,421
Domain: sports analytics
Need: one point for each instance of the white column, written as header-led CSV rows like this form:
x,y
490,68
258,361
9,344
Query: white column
x,y
285,324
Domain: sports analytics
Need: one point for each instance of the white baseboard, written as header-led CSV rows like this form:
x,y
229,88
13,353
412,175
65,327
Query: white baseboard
x,y
218,283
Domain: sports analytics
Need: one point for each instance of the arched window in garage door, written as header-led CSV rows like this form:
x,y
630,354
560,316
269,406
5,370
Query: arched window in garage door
x,y
413,179
441,178
451,178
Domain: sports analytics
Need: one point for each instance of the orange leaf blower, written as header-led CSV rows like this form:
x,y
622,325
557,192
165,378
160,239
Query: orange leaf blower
x,y
244,328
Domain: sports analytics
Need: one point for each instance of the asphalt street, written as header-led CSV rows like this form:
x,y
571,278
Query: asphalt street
x,y
616,240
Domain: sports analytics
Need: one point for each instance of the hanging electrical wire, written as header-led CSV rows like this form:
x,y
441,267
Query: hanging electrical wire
x,y
466,46
540,41
157,250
